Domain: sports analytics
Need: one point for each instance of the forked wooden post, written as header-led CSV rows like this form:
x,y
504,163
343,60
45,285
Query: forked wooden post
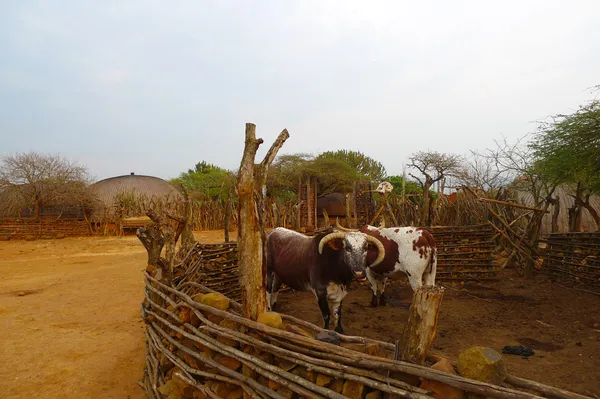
x,y
419,331
251,185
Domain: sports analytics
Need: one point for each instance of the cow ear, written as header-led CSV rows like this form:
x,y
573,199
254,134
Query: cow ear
x,y
336,245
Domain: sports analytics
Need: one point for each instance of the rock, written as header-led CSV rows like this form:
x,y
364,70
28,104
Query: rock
x,y
216,300
285,392
229,362
373,395
184,314
274,385
237,394
337,385
191,361
328,337
439,390
482,364
231,325
271,319
198,297
220,388
353,389
284,364
213,318
324,380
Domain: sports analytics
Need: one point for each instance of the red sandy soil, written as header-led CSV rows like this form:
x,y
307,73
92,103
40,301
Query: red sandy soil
x,y
70,321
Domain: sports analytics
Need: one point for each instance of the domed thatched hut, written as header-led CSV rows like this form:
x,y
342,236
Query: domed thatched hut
x,y
130,196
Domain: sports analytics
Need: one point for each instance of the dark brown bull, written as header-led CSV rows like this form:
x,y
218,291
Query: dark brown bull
x,y
325,264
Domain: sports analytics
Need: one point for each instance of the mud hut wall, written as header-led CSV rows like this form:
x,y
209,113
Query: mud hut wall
x,y
35,229
573,257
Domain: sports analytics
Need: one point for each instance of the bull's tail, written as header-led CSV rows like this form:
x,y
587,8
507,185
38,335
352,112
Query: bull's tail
x,y
432,259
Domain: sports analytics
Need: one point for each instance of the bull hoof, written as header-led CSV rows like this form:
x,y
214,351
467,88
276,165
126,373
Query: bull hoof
x,y
382,300
339,330
374,301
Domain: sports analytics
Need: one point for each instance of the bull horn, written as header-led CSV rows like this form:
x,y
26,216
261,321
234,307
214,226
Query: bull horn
x,y
329,237
339,227
380,250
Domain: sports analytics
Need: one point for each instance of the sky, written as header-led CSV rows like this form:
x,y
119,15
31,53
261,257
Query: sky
x,y
153,87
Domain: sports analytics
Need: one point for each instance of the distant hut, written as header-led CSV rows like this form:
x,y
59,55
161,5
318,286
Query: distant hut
x,y
123,200
335,206
565,202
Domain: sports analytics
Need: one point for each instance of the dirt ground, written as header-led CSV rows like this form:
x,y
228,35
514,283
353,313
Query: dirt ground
x,y
70,323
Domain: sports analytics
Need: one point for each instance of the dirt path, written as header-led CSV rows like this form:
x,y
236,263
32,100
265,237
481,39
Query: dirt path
x,y
70,322
69,317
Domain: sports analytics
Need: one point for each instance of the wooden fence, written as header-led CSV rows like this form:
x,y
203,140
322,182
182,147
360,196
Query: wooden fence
x,y
465,252
573,257
198,345
36,229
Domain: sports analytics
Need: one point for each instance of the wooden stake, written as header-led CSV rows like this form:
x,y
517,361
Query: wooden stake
x,y
419,331
251,232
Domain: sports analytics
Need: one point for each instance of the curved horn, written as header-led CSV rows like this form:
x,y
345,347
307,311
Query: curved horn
x,y
339,227
380,250
329,237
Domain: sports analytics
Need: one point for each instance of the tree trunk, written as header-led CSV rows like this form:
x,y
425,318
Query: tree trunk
x,y
251,231
419,331
586,204
556,203
575,210
426,200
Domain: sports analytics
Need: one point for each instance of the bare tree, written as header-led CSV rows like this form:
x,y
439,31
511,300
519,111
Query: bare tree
x,y
32,180
434,166
479,171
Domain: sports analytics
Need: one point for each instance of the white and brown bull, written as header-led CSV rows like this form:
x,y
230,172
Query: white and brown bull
x,y
409,251
325,264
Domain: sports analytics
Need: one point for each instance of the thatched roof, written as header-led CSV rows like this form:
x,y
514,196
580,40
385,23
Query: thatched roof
x,y
107,190
566,201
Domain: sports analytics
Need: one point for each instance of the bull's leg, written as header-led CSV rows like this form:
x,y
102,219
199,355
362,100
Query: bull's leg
x,y
429,274
335,295
377,286
270,276
415,280
382,295
275,291
324,306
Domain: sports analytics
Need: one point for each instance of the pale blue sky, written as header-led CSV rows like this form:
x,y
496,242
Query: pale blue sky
x,y
153,87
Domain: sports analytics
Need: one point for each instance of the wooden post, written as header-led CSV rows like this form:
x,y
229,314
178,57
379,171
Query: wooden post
x,y
419,331
251,233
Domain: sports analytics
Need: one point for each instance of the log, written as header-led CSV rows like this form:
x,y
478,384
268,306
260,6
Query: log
x,y
419,331
251,191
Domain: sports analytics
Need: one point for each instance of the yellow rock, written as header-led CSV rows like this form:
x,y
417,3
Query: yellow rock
x,y
373,395
337,385
482,364
229,362
353,389
271,319
285,365
323,380
237,394
216,300
439,390
184,314
198,297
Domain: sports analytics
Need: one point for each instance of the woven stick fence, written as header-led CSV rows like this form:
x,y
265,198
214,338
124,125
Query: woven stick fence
x,y
195,350
573,257
465,252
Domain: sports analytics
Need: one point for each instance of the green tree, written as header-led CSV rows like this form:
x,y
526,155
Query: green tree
x,y
335,171
410,187
366,167
206,180
567,150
